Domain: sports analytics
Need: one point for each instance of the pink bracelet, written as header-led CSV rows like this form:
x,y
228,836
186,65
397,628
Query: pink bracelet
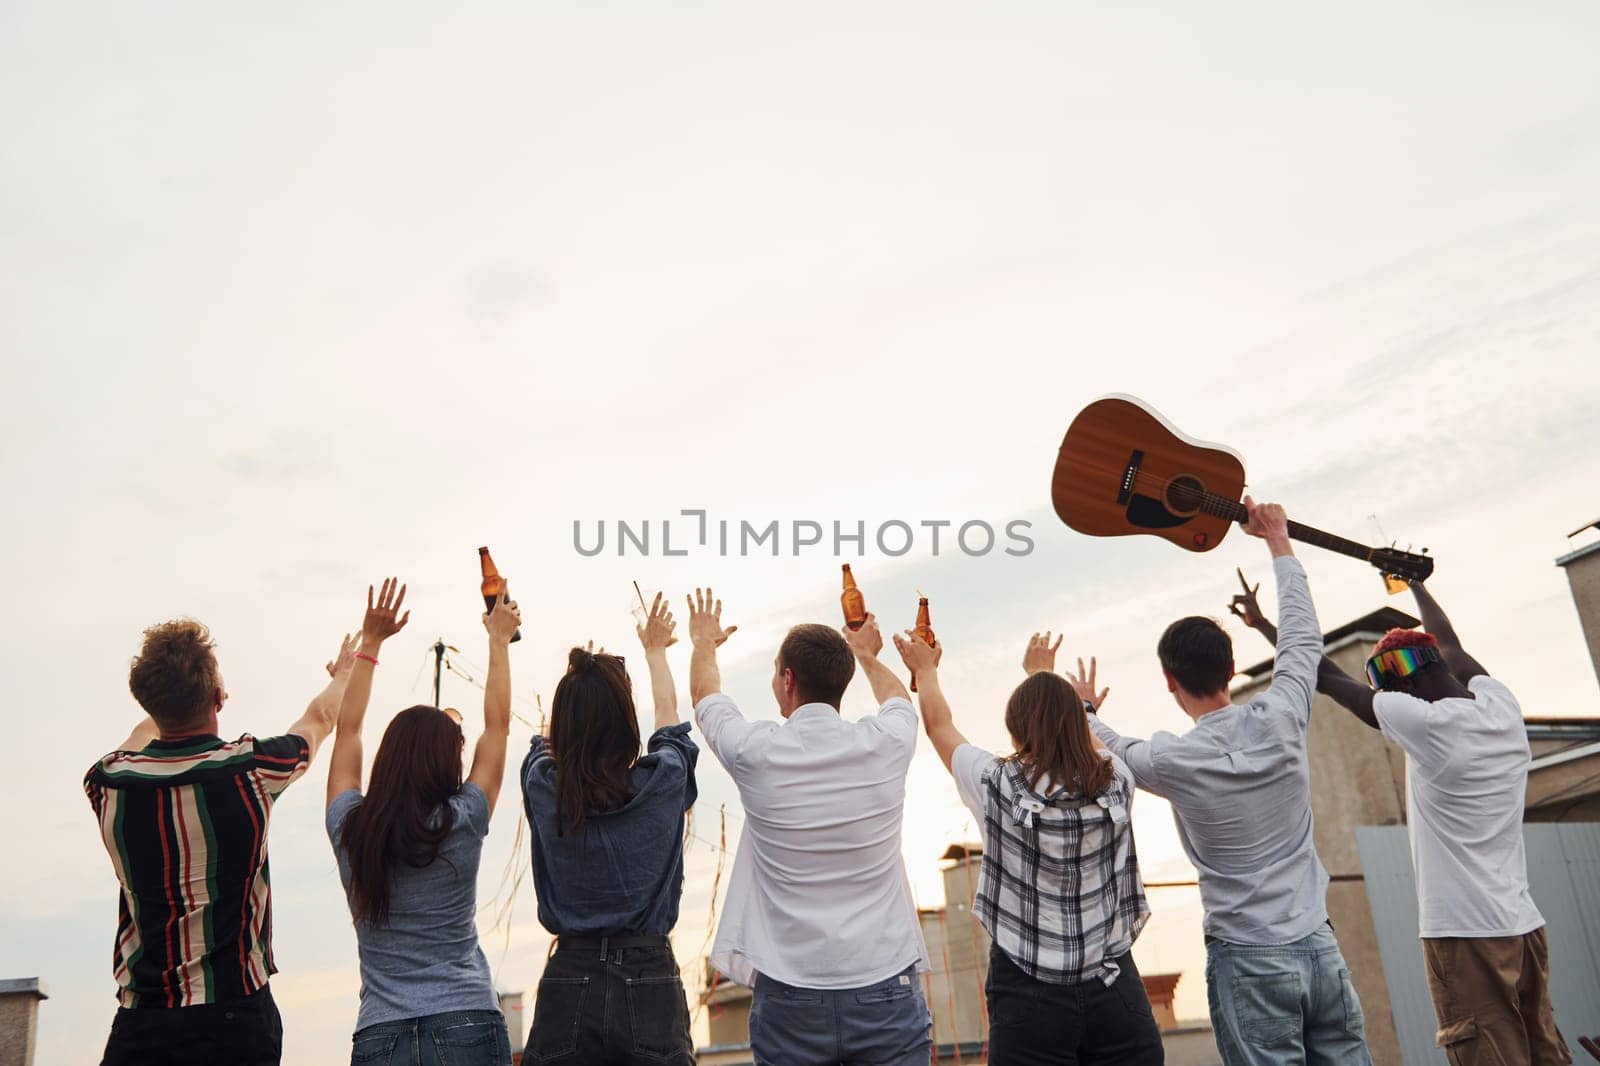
x,y
368,658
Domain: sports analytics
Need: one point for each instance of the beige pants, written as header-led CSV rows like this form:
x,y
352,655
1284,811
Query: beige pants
x,y
1492,996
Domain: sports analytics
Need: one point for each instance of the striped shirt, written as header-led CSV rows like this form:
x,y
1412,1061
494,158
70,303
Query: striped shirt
x,y
185,824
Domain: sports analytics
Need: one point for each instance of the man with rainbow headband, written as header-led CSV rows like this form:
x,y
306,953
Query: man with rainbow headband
x,y
1467,764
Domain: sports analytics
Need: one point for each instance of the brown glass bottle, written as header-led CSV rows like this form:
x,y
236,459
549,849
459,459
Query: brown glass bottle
x,y
923,630
854,604
493,585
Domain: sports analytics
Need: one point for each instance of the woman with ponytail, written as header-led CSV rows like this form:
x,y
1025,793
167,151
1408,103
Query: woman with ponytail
x,y
408,852
607,839
1059,892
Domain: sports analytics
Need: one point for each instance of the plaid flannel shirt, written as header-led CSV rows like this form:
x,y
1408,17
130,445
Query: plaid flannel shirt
x,y
1060,891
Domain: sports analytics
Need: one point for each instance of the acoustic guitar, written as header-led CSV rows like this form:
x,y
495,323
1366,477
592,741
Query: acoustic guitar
x,y
1123,469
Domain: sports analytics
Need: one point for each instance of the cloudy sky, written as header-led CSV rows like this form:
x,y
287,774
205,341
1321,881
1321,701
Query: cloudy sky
x,y
296,296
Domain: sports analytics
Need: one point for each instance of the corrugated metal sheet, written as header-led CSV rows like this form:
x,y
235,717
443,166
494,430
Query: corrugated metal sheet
x,y
1564,877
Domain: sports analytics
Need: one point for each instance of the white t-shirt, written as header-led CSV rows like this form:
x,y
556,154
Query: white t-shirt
x,y
1467,781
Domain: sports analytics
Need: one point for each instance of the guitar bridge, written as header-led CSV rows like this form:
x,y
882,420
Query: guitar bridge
x,y
1130,474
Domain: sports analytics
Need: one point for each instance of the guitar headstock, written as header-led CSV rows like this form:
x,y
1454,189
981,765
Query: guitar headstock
x,y
1409,566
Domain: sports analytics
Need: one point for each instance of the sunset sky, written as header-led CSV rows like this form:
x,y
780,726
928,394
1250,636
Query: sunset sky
x,y
294,297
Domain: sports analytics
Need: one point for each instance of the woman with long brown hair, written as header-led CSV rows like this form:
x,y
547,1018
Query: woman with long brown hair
x,y
607,829
408,852
1059,892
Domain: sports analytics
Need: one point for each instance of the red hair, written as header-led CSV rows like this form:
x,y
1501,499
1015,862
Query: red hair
x,y
1405,638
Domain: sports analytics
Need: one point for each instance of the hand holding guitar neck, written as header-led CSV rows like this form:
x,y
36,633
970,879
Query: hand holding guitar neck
x,y
1267,521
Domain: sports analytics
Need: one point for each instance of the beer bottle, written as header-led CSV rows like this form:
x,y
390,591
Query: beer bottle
x,y
854,604
923,630
493,585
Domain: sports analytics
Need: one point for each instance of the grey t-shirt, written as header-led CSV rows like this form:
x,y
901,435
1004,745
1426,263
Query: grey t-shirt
x,y
425,959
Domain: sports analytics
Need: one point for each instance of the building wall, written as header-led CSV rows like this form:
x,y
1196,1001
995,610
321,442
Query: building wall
x,y
19,1024
1583,574
958,952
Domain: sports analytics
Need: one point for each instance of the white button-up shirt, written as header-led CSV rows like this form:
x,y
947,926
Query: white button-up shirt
x,y
818,897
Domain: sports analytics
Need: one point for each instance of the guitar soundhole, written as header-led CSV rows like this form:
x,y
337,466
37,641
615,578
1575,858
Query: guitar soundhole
x,y
1184,494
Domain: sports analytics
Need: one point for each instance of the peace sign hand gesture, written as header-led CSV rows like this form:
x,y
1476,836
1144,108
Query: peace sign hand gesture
x,y
1244,605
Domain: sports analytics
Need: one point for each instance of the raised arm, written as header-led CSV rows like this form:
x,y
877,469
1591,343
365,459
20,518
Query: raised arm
x,y
1299,644
706,635
489,757
865,643
377,625
1464,666
656,636
937,720
322,713
1354,696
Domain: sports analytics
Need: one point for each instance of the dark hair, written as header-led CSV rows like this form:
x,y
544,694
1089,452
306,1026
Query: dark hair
x,y
820,661
174,676
1047,721
405,815
1198,655
594,737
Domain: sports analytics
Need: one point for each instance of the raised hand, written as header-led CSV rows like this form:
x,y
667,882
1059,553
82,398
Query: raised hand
x,y
656,633
380,622
1265,520
504,617
705,619
340,664
1083,684
1244,605
919,657
867,641
1040,654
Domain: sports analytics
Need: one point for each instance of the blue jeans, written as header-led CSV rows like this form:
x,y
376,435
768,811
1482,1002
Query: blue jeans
x,y
1283,1004
456,1038
885,1024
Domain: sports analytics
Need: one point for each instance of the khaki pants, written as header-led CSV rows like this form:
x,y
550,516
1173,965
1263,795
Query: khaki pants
x,y
1492,996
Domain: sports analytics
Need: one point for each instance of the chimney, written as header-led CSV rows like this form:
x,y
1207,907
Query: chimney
x,y
1583,574
19,1019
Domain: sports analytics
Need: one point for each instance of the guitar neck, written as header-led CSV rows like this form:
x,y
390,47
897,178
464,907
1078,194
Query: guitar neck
x,y
1306,534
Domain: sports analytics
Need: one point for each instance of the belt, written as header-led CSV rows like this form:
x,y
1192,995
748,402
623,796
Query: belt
x,y
604,945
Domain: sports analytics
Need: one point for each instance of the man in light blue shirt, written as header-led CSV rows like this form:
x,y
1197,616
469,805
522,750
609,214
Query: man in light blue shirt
x,y
1240,788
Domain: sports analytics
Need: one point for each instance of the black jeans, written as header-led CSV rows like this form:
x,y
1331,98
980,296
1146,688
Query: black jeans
x,y
1035,1023
246,1032
614,1001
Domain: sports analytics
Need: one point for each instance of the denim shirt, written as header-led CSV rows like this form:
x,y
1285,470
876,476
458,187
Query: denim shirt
x,y
622,871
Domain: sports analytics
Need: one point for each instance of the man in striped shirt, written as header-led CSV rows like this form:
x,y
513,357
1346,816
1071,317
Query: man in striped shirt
x,y
183,814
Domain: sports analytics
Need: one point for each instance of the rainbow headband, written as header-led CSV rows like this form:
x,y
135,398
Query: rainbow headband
x,y
1390,666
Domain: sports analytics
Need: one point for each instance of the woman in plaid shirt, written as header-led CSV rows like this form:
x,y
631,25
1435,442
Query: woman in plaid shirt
x,y
1059,893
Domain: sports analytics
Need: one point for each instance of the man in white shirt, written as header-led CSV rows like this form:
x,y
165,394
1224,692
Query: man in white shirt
x,y
1240,787
819,919
1467,764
